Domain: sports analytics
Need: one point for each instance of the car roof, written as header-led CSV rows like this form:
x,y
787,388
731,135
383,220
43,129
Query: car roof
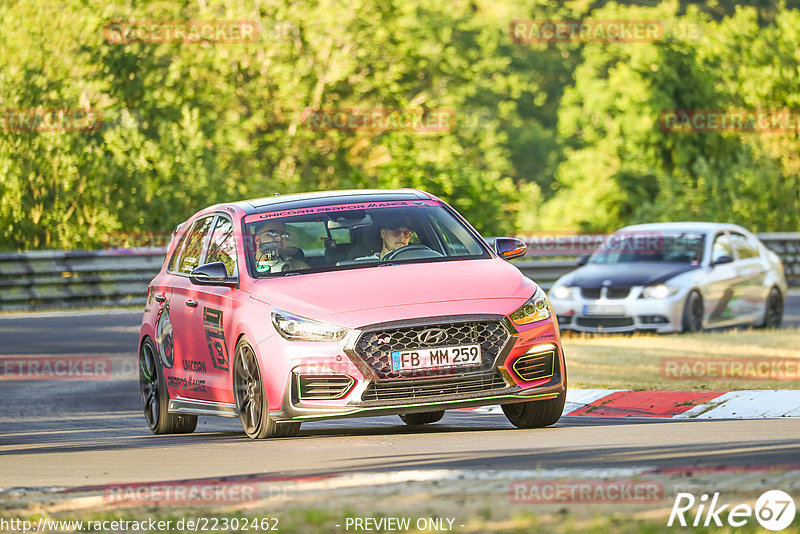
x,y
323,198
704,227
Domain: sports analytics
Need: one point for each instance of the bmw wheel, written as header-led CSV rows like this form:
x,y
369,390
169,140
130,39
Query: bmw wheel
x,y
773,315
693,312
155,398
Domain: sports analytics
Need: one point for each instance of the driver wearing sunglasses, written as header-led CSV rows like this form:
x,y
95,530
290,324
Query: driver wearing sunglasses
x,y
271,252
395,233
394,238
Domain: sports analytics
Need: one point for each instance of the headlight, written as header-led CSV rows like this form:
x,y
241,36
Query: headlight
x,y
661,291
297,328
563,293
536,309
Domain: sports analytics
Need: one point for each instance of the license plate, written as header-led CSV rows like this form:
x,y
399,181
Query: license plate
x,y
432,358
603,309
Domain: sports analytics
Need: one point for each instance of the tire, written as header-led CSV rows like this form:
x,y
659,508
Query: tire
x,y
535,414
692,320
773,313
423,418
251,398
155,398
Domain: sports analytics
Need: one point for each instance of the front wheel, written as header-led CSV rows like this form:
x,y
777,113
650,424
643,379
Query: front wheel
x,y
155,398
424,418
251,398
773,314
535,414
693,312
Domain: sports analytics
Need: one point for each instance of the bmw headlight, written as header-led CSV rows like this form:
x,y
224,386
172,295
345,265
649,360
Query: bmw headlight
x,y
563,293
536,309
297,328
661,291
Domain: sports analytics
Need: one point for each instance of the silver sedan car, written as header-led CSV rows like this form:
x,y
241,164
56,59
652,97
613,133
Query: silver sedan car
x,y
673,277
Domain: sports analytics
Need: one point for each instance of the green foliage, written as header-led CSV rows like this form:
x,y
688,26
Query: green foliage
x,y
546,135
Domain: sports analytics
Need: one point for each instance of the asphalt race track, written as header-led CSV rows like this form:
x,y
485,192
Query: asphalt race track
x,y
62,433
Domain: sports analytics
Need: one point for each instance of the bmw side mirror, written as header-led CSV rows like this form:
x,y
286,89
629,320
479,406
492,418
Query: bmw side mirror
x,y
212,274
582,260
722,260
509,248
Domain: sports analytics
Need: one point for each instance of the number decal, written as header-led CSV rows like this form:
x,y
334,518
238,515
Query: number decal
x,y
215,337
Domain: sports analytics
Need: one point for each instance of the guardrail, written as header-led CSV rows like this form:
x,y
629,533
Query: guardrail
x,y
58,279
55,279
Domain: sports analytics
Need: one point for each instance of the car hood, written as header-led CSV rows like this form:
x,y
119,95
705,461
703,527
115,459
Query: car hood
x,y
626,274
377,294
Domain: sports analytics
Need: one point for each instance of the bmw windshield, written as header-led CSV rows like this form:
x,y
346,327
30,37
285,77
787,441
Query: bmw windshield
x,y
651,246
349,236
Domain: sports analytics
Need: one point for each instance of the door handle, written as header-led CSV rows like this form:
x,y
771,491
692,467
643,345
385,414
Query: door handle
x,y
191,303
161,298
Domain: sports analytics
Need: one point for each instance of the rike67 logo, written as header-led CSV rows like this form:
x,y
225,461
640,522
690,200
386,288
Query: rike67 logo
x,y
774,510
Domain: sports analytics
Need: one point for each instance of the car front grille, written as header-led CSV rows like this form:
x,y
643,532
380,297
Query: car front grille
x,y
612,292
413,390
375,345
604,322
618,292
590,292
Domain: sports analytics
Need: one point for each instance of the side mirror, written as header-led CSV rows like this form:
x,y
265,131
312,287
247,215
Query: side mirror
x,y
722,260
582,260
212,274
509,248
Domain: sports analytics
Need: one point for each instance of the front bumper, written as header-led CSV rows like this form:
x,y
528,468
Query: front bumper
x,y
629,314
527,366
292,411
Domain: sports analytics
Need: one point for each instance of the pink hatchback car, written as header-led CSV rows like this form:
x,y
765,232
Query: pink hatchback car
x,y
350,303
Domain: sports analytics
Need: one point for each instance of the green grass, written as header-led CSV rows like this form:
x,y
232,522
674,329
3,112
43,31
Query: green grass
x,y
637,361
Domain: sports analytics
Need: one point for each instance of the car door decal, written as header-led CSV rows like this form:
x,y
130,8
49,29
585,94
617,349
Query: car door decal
x,y
215,337
164,337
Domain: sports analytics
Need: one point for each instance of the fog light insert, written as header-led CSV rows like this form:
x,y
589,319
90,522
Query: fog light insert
x,y
327,386
653,319
564,319
536,363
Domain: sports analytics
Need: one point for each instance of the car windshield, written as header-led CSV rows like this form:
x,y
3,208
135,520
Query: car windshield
x,y
651,246
350,236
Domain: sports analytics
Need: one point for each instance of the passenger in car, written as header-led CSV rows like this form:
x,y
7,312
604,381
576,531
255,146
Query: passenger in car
x,y
271,253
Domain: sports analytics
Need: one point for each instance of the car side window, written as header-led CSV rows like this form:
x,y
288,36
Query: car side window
x,y
721,247
195,242
223,245
745,247
174,259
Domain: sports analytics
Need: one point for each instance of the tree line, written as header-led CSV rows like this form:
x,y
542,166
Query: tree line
x,y
560,134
